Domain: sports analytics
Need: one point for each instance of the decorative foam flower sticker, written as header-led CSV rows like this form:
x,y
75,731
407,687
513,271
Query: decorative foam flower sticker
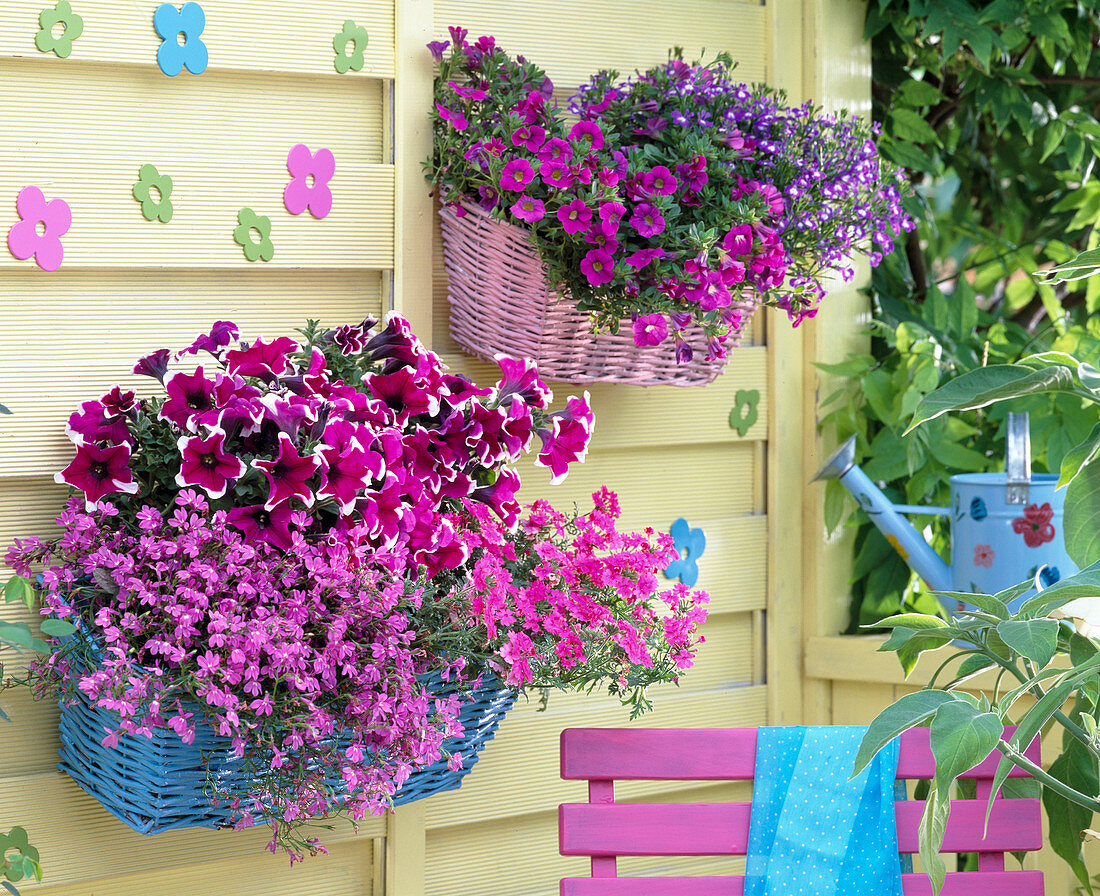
x,y
690,544
172,56
351,38
54,217
149,179
72,27
247,222
310,173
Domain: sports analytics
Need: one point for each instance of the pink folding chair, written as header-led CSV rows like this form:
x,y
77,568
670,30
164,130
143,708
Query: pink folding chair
x,y
604,829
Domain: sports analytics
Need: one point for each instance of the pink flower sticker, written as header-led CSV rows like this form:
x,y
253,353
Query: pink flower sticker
x,y
983,555
308,187
53,217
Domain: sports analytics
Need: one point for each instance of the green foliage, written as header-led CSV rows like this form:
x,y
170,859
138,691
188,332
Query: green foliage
x,y
992,106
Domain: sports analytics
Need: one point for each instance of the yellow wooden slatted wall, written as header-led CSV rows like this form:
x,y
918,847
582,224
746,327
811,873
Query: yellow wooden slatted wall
x,y
80,128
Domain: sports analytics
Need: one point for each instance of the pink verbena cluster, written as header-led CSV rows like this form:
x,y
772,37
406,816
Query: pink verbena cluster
x,y
353,428
569,600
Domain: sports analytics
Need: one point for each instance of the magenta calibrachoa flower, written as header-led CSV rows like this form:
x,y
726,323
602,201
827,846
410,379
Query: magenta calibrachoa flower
x,y
707,196
289,539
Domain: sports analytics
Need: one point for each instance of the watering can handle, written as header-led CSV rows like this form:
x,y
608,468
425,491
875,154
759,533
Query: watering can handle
x,y
1017,459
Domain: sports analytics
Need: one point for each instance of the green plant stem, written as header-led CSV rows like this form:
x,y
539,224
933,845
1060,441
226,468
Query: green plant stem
x,y
1037,772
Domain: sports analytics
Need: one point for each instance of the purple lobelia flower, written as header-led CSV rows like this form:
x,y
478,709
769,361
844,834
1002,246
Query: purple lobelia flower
x,y
288,474
205,463
190,396
99,472
310,173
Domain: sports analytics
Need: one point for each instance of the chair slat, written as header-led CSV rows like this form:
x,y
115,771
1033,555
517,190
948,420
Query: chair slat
x,y
717,754
714,829
993,883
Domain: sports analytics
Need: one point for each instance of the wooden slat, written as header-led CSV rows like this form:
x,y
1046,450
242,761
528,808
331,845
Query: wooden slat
x,y
1010,883
706,829
571,54
297,37
719,754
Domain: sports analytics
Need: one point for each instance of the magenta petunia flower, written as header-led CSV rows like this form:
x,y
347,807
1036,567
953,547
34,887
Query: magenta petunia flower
x,y
222,334
190,395
575,216
205,463
456,118
520,376
345,474
119,402
99,472
501,496
567,442
587,131
516,175
288,474
650,329
258,523
529,209
94,424
647,219
598,266
350,340
154,364
266,360
404,392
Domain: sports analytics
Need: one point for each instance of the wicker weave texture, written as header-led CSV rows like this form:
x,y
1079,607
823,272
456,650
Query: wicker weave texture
x,y
158,784
501,303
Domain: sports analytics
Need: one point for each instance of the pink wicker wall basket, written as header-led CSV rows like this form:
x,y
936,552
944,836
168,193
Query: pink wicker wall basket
x,y
500,302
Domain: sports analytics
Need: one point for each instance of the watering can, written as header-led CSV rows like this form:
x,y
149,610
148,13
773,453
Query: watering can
x,y
1005,527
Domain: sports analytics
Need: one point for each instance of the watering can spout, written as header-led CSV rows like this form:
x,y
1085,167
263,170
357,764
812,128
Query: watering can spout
x,y
901,534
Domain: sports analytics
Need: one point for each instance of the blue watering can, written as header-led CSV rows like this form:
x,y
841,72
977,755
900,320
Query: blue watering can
x,y
1005,527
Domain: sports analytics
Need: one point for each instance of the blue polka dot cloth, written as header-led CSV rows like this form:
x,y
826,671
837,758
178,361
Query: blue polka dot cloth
x,y
811,830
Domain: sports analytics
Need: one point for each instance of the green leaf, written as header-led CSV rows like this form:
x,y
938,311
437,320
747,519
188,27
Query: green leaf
x,y
987,385
57,628
985,602
1076,766
933,825
1081,521
918,621
1084,265
19,590
18,633
1036,639
905,124
917,93
961,737
1076,458
971,666
907,712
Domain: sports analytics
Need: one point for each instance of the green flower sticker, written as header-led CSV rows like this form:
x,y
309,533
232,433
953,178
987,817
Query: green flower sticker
x,y
248,221
352,36
72,27
744,413
149,179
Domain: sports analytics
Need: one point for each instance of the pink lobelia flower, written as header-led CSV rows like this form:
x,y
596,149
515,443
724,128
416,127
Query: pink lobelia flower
x,y
190,396
99,472
529,209
266,360
55,218
575,216
288,475
516,175
205,463
257,523
308,187
650,329
598,266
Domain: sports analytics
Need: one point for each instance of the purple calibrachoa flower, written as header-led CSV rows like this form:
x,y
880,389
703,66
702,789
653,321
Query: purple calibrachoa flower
x,y
99,472
529,209
575,216
598,266
516,175
455,117
587,132
204,463
288,474
650,329
647,219
310,173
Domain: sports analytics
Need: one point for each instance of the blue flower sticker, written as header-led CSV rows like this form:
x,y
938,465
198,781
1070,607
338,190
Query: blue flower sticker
x,y
690,543
189,21
978,510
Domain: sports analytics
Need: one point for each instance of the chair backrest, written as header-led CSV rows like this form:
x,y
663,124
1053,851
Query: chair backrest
x,y
604,829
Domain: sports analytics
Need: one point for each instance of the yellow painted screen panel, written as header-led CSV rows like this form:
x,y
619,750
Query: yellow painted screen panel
x,y
572,39
279,35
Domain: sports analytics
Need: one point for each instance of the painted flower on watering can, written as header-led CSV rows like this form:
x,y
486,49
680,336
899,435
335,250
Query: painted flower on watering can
x,y
983,555
1035,525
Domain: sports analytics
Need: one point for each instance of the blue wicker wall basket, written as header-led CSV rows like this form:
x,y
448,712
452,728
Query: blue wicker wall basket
x,y
158,784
